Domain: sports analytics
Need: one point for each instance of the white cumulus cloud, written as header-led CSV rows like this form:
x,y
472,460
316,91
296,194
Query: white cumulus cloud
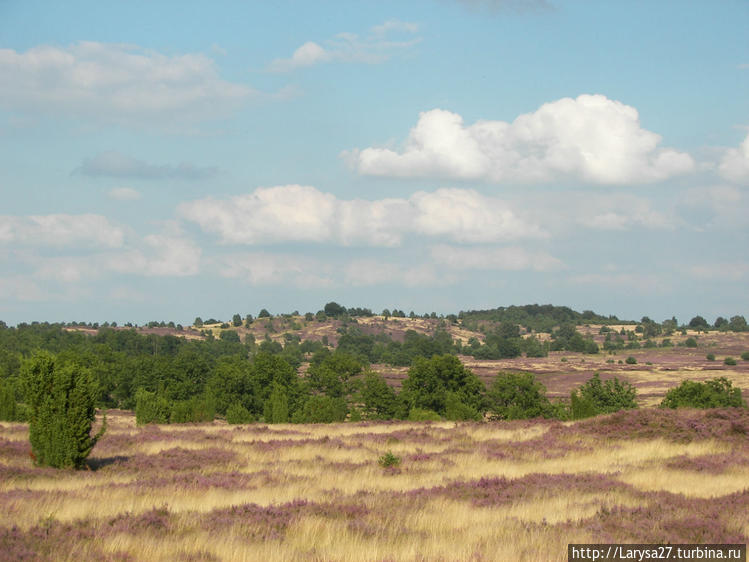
x,y
160,255
115,82
590,138
60,230
295,213
735,164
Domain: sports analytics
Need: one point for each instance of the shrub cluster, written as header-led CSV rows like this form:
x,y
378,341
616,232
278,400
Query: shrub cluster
x,y
714,393
602,397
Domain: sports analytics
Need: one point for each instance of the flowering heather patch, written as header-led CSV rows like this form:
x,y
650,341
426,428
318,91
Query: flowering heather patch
x,y
196,481
47,540
709,464
13,448
121,442
414,435
177,459
499,491
559,441
155,521
680,425
673,518
280,444
255,521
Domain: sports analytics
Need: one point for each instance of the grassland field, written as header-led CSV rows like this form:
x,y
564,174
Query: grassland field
x,y
517,490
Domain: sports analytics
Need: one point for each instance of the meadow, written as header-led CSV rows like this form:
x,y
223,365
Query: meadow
x,y
517,490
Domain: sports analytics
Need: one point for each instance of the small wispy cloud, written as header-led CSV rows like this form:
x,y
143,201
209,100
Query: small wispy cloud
x,y
117,165
124,194
381,43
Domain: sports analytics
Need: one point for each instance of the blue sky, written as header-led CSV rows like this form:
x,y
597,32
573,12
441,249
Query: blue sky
x,y
164,160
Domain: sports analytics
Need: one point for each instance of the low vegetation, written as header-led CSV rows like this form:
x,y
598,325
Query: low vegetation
x,y
511,490
462,437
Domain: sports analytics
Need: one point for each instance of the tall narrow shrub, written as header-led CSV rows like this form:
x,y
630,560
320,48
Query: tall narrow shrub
x,y
61,395
8,406
277,406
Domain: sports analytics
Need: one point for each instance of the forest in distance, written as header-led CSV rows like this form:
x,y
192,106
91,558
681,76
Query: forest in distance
x,y
324,367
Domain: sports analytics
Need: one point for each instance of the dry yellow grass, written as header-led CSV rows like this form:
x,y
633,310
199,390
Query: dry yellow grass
x,y
408,513
692,484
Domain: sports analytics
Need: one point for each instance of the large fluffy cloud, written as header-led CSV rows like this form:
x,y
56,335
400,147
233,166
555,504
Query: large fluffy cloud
x,y
295,213
590,138
735,163
60,230
122,83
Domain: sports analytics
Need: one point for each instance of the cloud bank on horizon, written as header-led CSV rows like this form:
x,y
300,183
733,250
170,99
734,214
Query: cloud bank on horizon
x,y
442,156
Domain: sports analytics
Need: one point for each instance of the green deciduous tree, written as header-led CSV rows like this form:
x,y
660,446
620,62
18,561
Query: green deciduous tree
x,y
379,399
738,324
430,380
61,395
698,323
515,396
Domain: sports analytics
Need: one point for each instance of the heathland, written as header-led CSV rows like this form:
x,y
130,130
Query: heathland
x,y
471,483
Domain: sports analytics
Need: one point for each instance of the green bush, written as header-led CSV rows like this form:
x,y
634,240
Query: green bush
x,y
151,408
194,410
389,460
710,356
322,409
457,410
238,414
516,396
581,408
691,342
745,356
9,410
729,361
61,395
421,414
276,409
714,393
630,360
599,397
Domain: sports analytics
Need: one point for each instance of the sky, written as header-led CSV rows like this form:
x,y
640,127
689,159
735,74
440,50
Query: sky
x,y
167,160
